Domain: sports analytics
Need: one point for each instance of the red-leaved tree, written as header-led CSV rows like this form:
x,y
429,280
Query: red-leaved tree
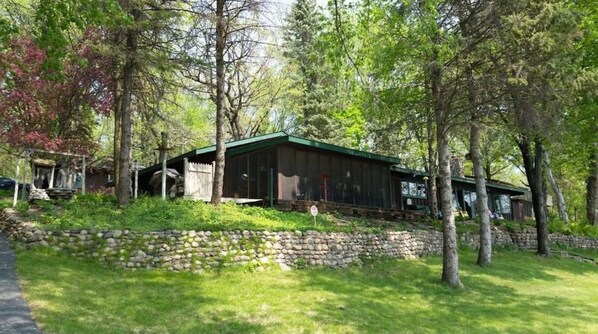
x,y
48,110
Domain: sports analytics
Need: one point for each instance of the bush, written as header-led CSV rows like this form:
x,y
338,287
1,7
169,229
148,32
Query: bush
x,y
154,214
574,228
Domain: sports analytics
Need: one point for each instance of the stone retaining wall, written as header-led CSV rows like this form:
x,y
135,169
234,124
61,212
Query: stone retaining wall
x,y
203,250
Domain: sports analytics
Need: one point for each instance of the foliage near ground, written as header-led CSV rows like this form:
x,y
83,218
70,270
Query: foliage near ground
x,y
152,214
519,293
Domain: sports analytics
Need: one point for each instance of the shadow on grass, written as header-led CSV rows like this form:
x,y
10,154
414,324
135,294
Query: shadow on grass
x,y
519,293
406,296
117,301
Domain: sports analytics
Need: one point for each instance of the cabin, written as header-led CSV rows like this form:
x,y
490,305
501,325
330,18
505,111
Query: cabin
x,y
410,193
99,176
291,173
288,168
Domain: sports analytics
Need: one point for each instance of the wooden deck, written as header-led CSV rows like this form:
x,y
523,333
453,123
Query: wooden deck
x,y
349,210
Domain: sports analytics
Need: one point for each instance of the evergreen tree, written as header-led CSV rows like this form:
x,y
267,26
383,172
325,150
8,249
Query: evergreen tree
x,y
311,77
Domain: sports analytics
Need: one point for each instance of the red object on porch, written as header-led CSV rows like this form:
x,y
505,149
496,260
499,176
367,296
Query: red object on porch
x,y
325,178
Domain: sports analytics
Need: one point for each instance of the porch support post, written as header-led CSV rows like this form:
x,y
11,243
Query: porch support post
x,y
51,185
136,191
24,177
271,187
83,177
16,194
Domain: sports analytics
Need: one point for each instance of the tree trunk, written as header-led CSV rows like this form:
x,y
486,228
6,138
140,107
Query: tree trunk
x,y
485,252
592,188
117,132
450,255
432,191
220,117
533,170
124,161
124,176
560,199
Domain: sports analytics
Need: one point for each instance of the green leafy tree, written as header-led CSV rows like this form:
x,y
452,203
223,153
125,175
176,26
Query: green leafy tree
x,y
538,67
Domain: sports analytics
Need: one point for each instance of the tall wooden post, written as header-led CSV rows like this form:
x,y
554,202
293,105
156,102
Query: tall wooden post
x,y
164,170
136,189
27,158
16,194
163,157
83,176
186,184
51,185
271,187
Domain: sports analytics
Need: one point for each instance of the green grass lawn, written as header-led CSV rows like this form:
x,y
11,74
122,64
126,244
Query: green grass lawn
x,y
519,293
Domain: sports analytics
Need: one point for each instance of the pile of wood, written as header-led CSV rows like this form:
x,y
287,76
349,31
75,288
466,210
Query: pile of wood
x,y
38,194
61,193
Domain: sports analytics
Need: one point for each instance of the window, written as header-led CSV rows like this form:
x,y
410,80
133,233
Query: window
x,y
413,189
502,204
471,202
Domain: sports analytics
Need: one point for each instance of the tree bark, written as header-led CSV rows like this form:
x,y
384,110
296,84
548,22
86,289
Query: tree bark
x,y
450,255
124,175
592,188
532,162
432,191
117,132
485,251
560,199
220,117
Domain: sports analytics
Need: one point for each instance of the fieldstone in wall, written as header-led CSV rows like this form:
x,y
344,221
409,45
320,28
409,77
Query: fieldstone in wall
x,y
198,251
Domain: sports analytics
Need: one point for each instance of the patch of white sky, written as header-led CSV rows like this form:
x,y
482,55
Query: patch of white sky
x,y
274,16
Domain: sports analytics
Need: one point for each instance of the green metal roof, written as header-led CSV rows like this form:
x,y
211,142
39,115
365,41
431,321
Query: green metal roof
x,y
267,140
313,144
212,148
491,184
467,180
343,150
408,171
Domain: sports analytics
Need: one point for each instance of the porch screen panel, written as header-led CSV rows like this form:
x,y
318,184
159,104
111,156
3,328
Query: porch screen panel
x,y
232,178
262,174
252,171
376,185
286,174
357,169
385,186
244,178
325,174
368,188
337,182
313,176
227,189
301,174
347,175
272,164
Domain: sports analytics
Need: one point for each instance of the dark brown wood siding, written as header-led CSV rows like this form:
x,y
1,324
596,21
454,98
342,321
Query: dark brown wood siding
x,y
305,174
247,175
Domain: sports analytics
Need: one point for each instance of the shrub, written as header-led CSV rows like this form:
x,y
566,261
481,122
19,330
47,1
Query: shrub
x,y
574,228
153,213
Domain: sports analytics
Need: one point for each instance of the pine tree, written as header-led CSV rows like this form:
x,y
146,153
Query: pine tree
x,y
312,74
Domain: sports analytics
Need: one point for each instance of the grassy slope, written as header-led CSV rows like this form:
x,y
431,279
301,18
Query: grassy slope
x,y
151,214
520,293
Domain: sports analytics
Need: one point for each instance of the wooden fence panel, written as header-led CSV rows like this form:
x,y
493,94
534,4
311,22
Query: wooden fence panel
x,y
198,180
